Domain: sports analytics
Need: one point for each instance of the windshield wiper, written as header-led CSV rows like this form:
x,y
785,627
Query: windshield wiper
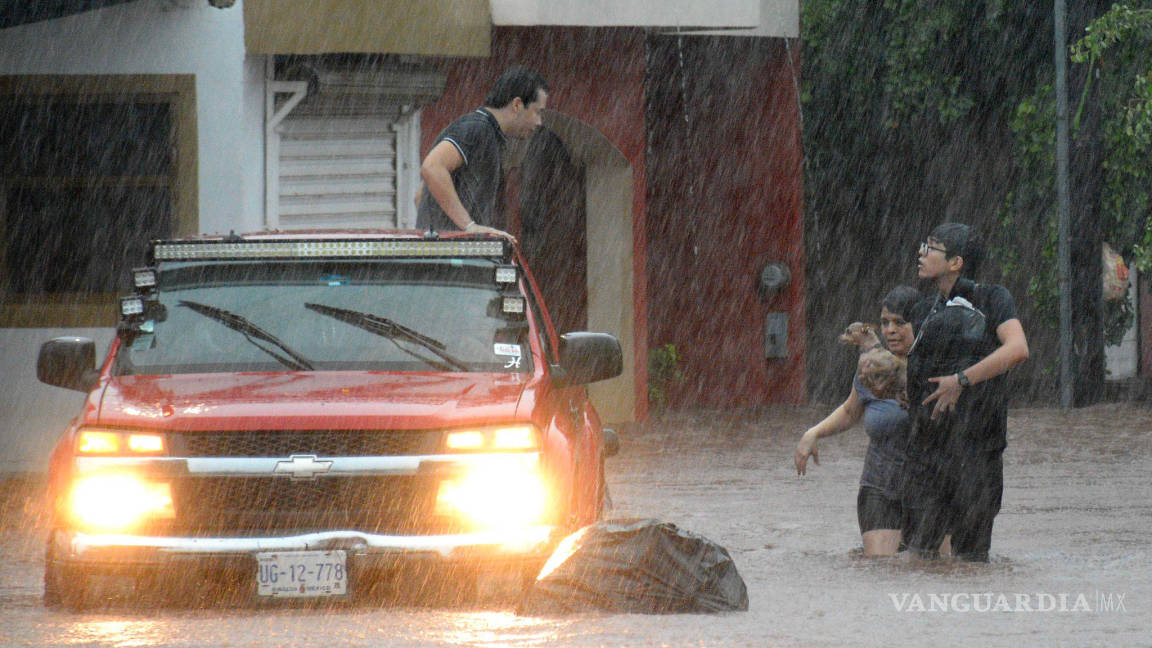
x,y
250,331
391,330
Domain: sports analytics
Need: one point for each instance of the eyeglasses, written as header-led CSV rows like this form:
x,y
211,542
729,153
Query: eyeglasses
x,y
924,248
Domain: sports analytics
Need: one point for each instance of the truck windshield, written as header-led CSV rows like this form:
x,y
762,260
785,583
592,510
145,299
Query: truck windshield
x,y
393,315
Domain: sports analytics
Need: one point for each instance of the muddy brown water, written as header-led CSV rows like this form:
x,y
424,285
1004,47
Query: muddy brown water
x,y
1071,558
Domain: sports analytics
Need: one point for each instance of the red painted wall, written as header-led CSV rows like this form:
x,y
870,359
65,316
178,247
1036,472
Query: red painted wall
x,y
596,76
724,198
714,198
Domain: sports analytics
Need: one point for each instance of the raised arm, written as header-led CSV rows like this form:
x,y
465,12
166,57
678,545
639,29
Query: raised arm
x,y
842,418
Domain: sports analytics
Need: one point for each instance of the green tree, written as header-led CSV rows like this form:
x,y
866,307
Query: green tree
x,y
906,107
1116,50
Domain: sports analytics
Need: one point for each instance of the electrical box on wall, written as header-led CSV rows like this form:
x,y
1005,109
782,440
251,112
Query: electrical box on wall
x,y
776,335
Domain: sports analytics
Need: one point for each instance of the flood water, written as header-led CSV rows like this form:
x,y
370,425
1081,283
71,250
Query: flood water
x,y
1070,564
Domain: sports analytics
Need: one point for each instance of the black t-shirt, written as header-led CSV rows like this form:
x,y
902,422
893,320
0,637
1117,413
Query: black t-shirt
x,y
478,138
951,335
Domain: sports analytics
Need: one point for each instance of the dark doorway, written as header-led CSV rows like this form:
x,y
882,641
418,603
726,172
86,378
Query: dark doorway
x,y
85,183
554,228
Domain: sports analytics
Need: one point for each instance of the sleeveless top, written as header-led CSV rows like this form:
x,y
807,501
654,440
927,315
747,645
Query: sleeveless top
x,y
887,425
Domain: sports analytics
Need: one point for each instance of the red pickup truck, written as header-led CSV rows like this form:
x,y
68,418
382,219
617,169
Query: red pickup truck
x,y
304,414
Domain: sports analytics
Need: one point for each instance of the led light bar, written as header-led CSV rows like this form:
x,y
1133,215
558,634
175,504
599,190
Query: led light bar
x,y
144,278
192,251
506,274
514,305
131,306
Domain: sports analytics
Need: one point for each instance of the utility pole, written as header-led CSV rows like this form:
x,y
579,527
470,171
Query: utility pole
x,y
1063,207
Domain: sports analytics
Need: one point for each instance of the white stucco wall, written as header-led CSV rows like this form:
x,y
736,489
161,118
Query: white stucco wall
x,y
1122,361
164,37
765,18
142,37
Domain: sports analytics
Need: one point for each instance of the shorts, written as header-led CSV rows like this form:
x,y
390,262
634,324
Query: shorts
x,y
875,510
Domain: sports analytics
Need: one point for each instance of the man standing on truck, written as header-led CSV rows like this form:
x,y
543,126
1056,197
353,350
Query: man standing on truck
x,y
462,171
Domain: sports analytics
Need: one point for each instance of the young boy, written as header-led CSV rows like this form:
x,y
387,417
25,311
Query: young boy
x,y
968,337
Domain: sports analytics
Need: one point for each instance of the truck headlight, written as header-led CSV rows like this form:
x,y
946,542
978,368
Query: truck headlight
x,y
117,502
496,438
117,442
502,494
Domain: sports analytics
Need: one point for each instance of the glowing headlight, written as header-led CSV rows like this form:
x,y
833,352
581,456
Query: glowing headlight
x,y
496,495
514,437
465,440
116,502
145,443
110,442
98,443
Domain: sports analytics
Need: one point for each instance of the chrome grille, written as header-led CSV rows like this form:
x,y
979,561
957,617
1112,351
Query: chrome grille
x,y
322,443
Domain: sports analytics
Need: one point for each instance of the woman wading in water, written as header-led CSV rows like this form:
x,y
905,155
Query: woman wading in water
x,y
878,398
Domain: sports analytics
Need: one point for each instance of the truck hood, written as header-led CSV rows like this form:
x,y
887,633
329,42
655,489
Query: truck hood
x,y
312,400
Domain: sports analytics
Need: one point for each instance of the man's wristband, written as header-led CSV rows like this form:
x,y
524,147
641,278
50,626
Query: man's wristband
x,y
963,380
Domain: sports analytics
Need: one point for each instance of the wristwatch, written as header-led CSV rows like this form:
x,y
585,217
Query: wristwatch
x,y
963,380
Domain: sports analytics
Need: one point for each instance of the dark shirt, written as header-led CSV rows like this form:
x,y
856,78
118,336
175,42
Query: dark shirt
x,y
886,423
478,138
953,334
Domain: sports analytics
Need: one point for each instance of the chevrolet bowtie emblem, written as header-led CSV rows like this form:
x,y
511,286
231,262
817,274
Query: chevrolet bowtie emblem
x,y
302,467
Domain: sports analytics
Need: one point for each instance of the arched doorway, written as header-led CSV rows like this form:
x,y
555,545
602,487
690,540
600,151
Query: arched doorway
x,y
553,227
573,196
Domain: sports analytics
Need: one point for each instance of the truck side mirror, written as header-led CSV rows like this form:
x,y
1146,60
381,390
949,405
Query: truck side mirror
x,y
68,362
588,357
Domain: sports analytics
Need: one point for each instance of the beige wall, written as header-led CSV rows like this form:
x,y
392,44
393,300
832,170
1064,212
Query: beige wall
x,y
608,201
419,27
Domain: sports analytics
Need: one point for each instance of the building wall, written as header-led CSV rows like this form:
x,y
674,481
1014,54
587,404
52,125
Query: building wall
x,y
149,37
714,198
724,195
143,37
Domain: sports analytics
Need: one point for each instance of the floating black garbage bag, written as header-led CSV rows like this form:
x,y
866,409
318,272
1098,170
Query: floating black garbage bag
x,y
641,566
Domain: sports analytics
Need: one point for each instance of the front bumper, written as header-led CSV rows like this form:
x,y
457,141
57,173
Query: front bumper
x,y
369,551
82,568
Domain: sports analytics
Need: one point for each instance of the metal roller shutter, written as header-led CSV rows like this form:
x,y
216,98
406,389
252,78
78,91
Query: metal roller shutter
x,y
338,171
343,141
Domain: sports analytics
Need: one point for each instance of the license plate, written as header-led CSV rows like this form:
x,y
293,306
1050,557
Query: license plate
x,y
287,574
